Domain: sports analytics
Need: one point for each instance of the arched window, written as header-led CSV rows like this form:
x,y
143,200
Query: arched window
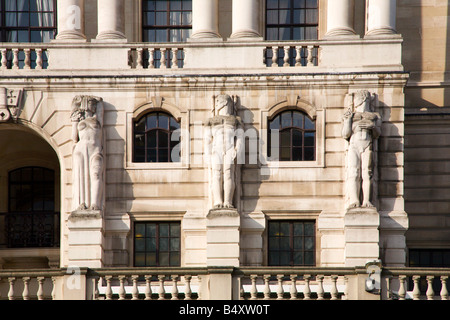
x,y
31,220
154,140
297,137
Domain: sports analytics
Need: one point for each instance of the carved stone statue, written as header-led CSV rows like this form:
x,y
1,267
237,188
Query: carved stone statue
x,y
224,139
88,153
361,126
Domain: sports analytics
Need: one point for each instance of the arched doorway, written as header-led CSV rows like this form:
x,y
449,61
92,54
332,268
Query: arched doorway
x,y
29,200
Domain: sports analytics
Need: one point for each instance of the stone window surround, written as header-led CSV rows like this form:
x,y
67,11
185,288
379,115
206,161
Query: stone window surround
x,y
157,104
314,113
291,215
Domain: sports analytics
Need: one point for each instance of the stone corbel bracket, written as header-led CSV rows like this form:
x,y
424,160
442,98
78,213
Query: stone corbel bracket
x,y
10,104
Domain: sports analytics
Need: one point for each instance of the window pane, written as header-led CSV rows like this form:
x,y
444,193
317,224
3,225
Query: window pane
x,y
151,139
285,138
309,139
163,122
139,259
164,259
309,154
164,244
139,244
286,119
272,17
285,154
298,258
297,139
151,122
161,4
309,258
139,230
174,259
152,155
309,125
150,260
272,4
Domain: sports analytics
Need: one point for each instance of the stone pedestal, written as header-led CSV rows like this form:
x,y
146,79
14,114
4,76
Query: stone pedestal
x,y
85,242
222,238
361,230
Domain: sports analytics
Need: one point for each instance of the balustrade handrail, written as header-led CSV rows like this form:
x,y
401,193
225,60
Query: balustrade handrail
x,y
325,271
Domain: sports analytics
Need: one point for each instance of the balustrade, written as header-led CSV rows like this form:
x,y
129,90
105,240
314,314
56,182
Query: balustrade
x,y
29,285
150,284
417,283
305,284
304,55
24,57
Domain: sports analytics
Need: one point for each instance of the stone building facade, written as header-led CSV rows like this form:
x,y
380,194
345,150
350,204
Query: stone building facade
x,y
319,125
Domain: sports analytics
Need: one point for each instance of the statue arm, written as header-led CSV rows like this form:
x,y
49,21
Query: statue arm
x,y
347,125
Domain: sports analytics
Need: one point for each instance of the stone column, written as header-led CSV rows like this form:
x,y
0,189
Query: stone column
x,y
340,18
205,20
381,16
245,19
71,20
111,20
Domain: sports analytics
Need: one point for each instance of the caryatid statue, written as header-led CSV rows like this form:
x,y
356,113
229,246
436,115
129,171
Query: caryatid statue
x,y
223,146
361,126
88,153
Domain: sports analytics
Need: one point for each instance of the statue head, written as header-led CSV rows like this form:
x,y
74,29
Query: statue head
x,y
224,105
363,100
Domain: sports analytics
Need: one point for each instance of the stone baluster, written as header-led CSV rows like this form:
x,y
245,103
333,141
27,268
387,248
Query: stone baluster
x,y
11,281
174,292
293,292
307,288
4,59
280,290
199,293
245,19
430,291
26,292
108,292
135,291
286,56
27,60
320,291
444,291
381,17
266,286
175,58
298,56
310,57
345,297
70,15
53,294
187,288
148,287
151,58
205,20
402,288
140,58
334,290
274,57
15,58
39,60
161,290
416,290
163,61
111,20
40,292
340,19
253,289
95,292
122,287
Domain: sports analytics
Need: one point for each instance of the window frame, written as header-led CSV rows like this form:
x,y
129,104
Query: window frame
x,y
291,26
291,236
168,27
292,129
157,243
169,132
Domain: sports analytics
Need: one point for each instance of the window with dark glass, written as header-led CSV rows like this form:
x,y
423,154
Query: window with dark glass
x,y
291,243
154,138
28,21
297,137
31,220
166,21
157,244
291,19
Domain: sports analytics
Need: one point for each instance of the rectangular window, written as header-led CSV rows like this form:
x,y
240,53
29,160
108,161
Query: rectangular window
x,y
166,21
291,19
291,243
157,244
28,20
